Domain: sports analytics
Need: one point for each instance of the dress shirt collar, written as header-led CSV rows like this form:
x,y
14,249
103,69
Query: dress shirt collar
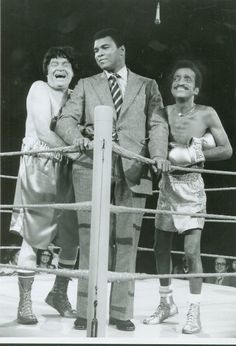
x,y
122,72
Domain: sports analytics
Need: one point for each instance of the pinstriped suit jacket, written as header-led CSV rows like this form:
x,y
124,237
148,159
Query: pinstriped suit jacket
x,y
137,121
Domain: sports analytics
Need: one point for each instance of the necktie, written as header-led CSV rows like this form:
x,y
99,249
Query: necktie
x,y
115,92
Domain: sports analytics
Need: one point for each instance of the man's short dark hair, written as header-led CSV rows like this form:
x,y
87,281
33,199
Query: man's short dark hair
x,y
66,52
191,65
116,36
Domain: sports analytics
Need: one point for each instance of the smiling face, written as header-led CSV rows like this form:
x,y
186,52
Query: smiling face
x,y
220,265
45,257
183,84
108,56
60,73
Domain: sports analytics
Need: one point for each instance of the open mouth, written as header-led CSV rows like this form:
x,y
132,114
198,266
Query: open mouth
x,y
60,75
181,88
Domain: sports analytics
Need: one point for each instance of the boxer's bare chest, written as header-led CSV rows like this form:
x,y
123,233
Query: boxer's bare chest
x,y
183,128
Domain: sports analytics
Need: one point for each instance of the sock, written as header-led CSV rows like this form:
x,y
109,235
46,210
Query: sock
x,y
166,293
194,298
25,274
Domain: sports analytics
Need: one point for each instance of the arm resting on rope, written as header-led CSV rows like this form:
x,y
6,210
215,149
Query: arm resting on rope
x,y
158,131
69,124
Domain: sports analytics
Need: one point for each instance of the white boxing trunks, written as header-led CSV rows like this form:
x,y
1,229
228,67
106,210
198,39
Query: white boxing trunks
x,y
181,193
44,179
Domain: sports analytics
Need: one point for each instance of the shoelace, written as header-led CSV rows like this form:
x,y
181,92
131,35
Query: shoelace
x,y
159,309
192,313
26,307
64,302
67,303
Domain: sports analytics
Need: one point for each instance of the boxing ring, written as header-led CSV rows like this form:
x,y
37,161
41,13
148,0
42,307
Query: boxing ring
x,y
218,307
218,315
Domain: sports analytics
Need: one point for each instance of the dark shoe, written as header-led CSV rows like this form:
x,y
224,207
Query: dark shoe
x,y
127,325
59,301
112,321
80,323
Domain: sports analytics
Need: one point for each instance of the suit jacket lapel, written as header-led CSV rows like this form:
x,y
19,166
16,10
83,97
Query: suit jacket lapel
x,y
101,88
134,84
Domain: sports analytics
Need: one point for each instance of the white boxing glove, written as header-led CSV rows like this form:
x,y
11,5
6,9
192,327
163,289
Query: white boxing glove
x,y
186,156
208,141
195,150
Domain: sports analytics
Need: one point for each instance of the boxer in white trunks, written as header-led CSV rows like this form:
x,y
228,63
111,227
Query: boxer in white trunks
x,y
196,135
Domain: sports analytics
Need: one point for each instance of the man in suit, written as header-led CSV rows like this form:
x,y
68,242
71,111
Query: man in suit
x,y
221,266
136,127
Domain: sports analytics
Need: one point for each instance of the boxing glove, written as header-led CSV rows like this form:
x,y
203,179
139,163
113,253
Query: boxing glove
x,y
195,150
208,141
186,156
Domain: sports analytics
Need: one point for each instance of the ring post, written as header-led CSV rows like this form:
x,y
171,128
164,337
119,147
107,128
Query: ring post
x,y
100,222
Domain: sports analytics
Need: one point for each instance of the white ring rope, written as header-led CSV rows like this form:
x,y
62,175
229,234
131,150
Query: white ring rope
x,y
118,150
120,209
139,249
113,276
130,155
210,189
207,220
8,176
86,206
175,252
67,149
76,273
205,255
142,276
230,188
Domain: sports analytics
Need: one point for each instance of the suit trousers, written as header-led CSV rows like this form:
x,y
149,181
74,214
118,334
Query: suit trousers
x,y
124,236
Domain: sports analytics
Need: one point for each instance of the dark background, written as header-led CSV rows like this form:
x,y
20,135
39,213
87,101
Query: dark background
x,y
203,30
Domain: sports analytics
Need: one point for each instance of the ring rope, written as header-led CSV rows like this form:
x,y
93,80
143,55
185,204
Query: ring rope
x,y
232,188
67,149
76,273
8,176
130,155
210,189
113,276
10,247
86,206
68,206
3,211
207,220
175,252
205,255
120,209
19,247
143,276
119,150
139,249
